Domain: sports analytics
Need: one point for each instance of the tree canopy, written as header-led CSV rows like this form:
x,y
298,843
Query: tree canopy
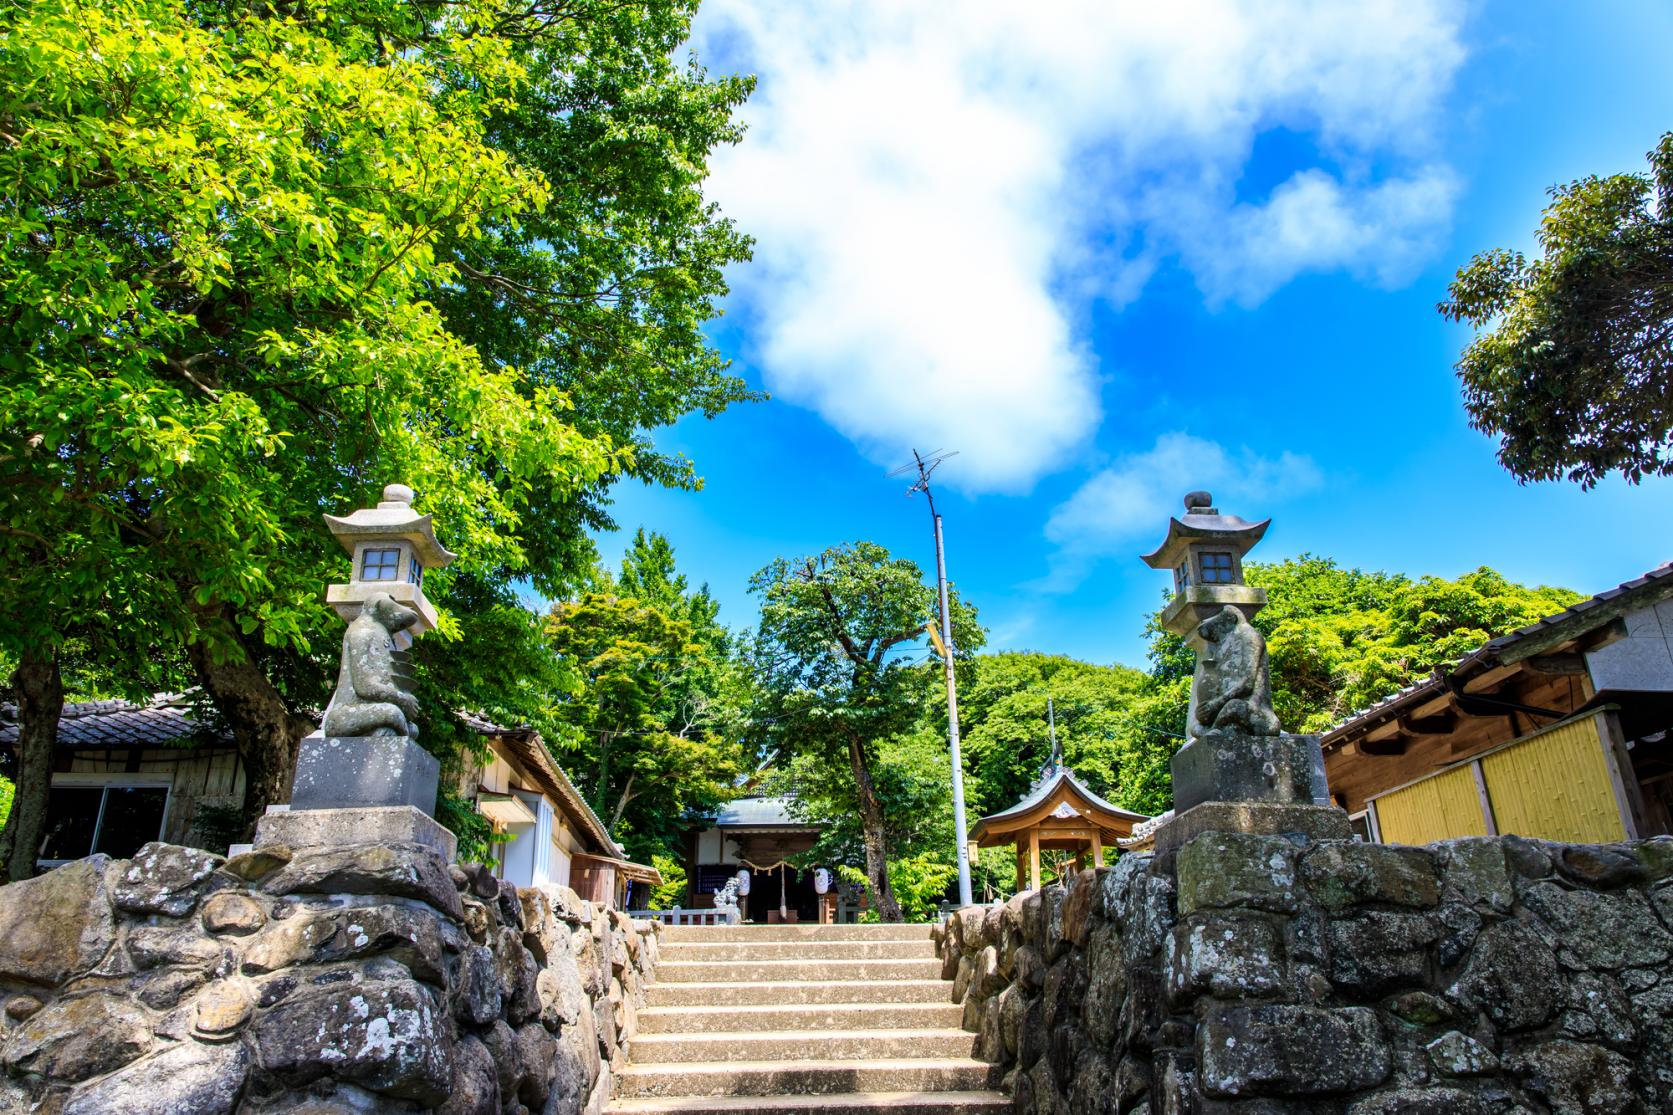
x,y
653,725
259,262
1572,364
844,689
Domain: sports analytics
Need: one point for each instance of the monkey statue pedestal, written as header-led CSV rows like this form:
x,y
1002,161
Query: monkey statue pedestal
x,y
362,777
1238,771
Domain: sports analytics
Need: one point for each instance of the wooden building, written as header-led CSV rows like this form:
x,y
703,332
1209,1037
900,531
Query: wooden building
x,y
1059,813
555,837
1558,730
756,834
125,774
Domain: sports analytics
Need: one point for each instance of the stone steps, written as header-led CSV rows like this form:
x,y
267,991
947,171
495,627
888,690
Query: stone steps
x,y
830,1103
709,934
884,1014
802,1020
798,1045
879,949
778,971
780,1078
795,993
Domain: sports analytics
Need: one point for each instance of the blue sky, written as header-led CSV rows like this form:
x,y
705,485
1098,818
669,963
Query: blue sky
x,y
1138,250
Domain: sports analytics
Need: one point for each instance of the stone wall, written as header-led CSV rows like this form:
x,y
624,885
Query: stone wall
x,y
1496,975
371,977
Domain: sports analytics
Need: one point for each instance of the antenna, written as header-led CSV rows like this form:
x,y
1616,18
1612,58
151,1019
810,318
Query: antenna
x,y
924,464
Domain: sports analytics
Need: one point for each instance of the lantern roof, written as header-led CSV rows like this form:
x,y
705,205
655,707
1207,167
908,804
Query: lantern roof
x,y
1202,522
393,519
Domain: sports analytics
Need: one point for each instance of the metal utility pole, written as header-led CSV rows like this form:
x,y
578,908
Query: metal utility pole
x,y
924,466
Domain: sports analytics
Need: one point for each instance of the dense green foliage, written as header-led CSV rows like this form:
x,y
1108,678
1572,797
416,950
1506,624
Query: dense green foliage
x,y
652,726
257,262
844,690
1341,639
1572,365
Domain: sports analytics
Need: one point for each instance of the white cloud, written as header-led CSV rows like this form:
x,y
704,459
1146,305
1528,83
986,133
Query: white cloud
x,y
1123,508
940,190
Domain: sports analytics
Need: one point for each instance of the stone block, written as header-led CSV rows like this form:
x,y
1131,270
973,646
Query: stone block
x,y
1457,1054
1474,871
401,870
74,1039
1380,950
1282,770
163,879
1219,869
333,828
1298,822
1283,1050
1573,1076
1229,956
387,1037
56,925
1423,1101
202,1079
1601,931
1348,873
1512,975
341,772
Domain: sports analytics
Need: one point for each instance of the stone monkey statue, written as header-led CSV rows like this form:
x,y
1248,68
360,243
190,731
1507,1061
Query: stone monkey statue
x,y
368,701
1232,690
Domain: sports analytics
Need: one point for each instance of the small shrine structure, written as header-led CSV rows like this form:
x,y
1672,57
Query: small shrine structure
x,y
1059,813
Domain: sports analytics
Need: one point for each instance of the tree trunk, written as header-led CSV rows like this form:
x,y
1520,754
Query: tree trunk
x,y
871,823
40,702
266,732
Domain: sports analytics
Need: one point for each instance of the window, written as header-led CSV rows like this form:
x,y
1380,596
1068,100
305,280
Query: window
x,y
415,571
1217,569
380,565
86,814
1182,576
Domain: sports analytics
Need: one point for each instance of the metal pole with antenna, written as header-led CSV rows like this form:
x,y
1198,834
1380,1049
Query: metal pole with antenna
x,y
924,466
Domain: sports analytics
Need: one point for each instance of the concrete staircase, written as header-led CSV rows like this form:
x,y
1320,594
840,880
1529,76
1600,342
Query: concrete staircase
x,y
802,1020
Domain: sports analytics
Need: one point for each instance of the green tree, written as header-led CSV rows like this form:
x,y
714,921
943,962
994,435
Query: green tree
x,y
257,264
655,719
840,688
1003,710
1341,639
1572,364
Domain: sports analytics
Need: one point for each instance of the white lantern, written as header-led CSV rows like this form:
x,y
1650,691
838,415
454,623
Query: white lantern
x,y
743,883
821,880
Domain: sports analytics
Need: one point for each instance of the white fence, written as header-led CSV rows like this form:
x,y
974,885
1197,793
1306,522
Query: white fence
x,y
722,915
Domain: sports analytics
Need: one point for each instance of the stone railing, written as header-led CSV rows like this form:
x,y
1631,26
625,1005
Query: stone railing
x,y
1258,975
355,978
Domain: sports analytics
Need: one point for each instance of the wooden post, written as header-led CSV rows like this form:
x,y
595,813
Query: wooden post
x,y
1097,849
1034,859
1022,875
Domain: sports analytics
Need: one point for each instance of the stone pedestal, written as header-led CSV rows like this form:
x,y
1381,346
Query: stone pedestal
x,y
1312,822
387,824
337,772
1225,766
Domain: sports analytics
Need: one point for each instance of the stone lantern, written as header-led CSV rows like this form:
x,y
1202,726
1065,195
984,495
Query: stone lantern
x,y
392,547
363,777
1238,771
1204,551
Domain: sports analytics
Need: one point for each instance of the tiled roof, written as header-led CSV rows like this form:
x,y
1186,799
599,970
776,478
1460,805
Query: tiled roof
x,y
168,720
1572,621
759,812
531,751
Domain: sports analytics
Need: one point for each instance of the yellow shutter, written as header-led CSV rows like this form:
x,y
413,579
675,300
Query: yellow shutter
x,y
1437,808
1555,786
